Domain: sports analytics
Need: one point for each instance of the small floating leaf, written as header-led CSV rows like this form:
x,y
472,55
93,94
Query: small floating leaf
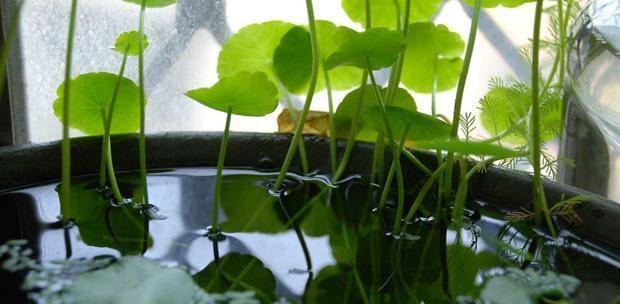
x,y
252,49
91,93
238,272
153,3
495,3
346,111
468,148
384,12
133,280
130,41
432,47
247,94
376,48
422,126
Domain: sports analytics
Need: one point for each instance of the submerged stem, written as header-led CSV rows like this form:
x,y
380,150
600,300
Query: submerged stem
x,y
218,175
66,140
142,138
311,90
540,202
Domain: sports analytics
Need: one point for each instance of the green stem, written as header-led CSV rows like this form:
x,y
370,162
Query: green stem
x,y
392,172
107,158
311,90
142,138
66,140
218,176
303,156
422,194
540,202
332,124
8,40
456,118
108,122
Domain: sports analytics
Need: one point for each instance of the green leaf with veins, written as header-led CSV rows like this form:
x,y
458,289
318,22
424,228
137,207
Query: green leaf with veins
x,y
376,49
130,40
422,126
238,272
246,93
133,280
495,3
383,12
346,110
293,58
506,106
431,47
153,3
252,49
468,148
91,93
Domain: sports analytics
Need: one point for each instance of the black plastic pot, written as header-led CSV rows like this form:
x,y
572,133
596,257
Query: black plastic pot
x,y
22,166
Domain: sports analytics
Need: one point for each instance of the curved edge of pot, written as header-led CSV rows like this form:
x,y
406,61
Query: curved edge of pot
x,y
37,163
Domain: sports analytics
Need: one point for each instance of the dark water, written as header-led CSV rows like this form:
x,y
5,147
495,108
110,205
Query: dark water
x,y
340,227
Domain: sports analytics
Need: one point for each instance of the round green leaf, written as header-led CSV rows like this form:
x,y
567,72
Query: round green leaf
x,y
432,48
91,93
247,94
153,3
506,106
130,42
468,148
246,272
293,58
376,48
495,3
383,12
346,111
422,126
133,280
252,49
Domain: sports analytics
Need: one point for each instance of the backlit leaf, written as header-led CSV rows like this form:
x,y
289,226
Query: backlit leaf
x,y
153,3
383,12
130,42
495,3
422,126
376,48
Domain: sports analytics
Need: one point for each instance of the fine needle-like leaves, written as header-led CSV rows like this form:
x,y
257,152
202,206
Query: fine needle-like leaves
x,y
246,93
432,51
92,92
373,49
384,12
153,3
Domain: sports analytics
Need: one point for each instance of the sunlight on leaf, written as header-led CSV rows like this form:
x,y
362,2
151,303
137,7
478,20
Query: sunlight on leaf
x,y
252,49
383,12
495,3
376,48
238,272
247,94
468,148
432,48
130,41
346,111
422,126
91,93
153,3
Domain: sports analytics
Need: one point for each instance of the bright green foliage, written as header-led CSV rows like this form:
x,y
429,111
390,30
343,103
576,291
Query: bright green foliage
x,y
153,3
130,40
252,49
247,94
91,93
495,3
506,108
102,225
346,111
238,272
528,287
422,126
293,58
468,148
383,12
133,280
376,48
432,48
